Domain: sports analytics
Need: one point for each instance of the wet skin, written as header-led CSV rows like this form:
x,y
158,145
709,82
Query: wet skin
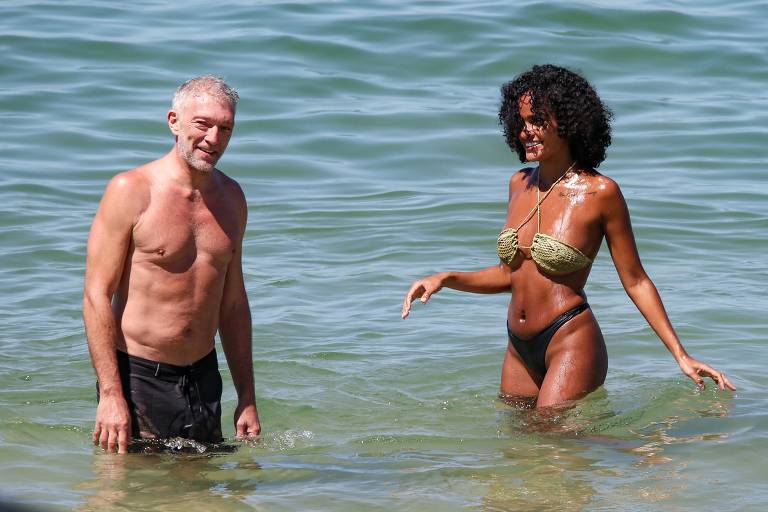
x,y
164,271
584,208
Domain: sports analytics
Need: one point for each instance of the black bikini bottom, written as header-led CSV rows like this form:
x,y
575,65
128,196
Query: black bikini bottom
x,y
533,350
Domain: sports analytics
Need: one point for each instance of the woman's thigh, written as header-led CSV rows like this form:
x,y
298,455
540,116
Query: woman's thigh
x,y
577,362
516,380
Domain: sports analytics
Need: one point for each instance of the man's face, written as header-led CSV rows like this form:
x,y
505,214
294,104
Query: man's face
x,y
202,126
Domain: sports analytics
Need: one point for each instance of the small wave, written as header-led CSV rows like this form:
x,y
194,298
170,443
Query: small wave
x,y
281,441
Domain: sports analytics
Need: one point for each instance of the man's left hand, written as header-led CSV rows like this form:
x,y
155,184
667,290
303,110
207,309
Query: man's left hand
x,y
247,421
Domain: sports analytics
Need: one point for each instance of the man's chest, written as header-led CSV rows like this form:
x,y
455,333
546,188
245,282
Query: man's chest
x,y
178,234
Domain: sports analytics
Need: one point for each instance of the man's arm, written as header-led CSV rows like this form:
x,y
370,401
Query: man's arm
x,y
235,333
108,244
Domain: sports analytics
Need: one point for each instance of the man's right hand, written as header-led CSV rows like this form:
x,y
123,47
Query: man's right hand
x,y
113,425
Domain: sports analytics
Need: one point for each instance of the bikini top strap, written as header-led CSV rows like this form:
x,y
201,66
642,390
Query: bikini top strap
x,y
538,208
530,214
539,200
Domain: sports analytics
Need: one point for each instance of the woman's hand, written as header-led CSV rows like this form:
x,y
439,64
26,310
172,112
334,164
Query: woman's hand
x,y
696,369
423,288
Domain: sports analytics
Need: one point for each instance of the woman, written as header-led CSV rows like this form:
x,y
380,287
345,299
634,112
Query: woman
x,y
558,214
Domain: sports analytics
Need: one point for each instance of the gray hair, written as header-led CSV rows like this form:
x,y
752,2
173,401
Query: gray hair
x,y
210,85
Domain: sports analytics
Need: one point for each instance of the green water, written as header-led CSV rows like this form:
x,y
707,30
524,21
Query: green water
x,y
368,149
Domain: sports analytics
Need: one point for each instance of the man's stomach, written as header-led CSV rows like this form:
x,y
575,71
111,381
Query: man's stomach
x,y
179,333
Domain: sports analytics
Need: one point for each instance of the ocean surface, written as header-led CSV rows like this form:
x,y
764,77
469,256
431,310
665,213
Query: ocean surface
x,y
368,147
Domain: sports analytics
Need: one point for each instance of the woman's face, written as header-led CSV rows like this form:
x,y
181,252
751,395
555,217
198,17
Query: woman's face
x,y
539,137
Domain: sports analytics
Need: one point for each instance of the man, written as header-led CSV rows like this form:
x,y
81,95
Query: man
x,y
163,274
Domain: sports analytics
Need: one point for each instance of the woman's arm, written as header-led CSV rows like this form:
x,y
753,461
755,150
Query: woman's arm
x,y
621,243
489,280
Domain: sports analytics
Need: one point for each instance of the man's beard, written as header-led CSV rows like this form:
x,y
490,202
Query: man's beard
x,y
197,164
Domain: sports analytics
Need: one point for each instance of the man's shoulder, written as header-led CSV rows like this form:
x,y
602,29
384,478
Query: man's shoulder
x,y
129,191
232,194
133,180
231,187
227,181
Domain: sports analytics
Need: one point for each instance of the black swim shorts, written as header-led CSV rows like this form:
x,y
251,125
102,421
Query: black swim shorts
x,y
166,400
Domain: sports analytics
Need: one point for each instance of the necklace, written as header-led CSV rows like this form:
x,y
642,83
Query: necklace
x,y
539,199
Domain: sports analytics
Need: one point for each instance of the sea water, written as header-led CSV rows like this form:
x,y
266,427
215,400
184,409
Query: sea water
x,y
369,150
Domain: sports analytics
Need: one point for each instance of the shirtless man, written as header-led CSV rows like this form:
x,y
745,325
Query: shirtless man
x,y
163,274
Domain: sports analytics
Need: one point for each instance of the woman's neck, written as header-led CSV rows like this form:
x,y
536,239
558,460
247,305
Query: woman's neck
x,y
552,169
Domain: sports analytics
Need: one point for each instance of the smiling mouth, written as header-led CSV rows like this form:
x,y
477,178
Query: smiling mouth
x,y
532,145
207,152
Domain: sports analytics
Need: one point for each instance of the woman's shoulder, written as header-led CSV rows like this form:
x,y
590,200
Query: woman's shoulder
x,y
600,183
524,175
606,191
521,181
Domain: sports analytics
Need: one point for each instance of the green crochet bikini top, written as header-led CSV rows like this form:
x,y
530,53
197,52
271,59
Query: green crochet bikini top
x,y
550,254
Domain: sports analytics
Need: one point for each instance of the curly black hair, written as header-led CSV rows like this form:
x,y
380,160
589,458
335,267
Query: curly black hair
x,y
582,118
